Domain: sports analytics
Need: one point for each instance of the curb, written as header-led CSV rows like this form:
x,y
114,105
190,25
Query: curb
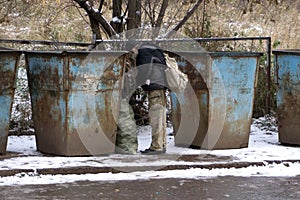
x,y
96,170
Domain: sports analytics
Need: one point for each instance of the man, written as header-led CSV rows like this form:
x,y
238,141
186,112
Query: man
x,y
149,62
151,65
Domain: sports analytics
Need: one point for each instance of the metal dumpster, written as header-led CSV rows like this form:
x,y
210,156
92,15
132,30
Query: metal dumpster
x,y
224,87
287,63
8,64
75,99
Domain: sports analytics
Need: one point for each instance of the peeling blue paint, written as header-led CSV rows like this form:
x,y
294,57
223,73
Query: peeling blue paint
x,y
8,65
238,76
230,83
287,62
71,100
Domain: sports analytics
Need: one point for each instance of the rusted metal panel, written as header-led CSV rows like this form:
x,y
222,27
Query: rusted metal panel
x,y
8,64
287,63
75,99
224,88
190,106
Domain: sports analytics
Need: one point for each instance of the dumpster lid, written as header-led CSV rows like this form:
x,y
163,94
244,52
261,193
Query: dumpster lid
x,y
76,52
235,54
10,51
287,51
5,48
221,53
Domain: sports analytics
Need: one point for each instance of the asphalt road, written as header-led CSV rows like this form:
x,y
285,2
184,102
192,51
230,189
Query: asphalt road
x,y
209,188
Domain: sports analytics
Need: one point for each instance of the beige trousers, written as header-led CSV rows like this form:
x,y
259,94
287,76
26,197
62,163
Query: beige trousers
x,y
157,114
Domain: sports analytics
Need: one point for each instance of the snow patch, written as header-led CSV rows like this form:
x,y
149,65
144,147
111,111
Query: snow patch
x,y
263,146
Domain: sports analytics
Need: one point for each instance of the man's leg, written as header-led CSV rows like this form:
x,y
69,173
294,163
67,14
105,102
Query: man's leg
x,y
157,113
126,141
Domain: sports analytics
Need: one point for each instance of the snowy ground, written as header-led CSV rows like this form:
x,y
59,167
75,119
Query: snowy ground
x,y
263,147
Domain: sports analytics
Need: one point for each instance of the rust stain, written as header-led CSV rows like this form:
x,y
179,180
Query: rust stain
x,y
50,80
235,131
8,65
289,111
200,89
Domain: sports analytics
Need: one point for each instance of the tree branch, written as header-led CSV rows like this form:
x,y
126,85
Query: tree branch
x,y
161,13
160,18
101,5
146,11
186,17
97,16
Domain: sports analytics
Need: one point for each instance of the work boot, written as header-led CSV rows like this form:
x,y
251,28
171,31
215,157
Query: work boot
x,y
153,152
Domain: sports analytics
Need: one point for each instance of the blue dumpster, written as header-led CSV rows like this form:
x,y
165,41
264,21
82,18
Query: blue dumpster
x,y
75,99
287,63
224,87
8,64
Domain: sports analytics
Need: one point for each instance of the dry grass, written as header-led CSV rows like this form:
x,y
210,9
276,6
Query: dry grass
x,y
46,21
62,21
281,22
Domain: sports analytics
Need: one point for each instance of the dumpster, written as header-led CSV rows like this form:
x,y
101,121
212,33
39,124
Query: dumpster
x,y
8,63
287,63
74,97
224,88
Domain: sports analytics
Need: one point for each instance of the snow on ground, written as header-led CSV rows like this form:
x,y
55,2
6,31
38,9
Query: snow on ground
x,y
263,146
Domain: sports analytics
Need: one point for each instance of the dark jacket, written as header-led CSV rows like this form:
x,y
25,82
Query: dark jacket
x,y
151,64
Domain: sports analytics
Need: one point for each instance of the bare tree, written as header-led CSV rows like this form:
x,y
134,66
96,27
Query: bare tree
x,y
130,14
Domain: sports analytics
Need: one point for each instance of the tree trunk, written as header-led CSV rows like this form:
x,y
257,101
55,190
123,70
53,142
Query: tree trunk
x,y
117,22
160,17
138,16
132,23
95,28
161,14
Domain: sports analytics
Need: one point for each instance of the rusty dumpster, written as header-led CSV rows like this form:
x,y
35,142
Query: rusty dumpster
x,y
224,86
74,97
8,63
287,63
